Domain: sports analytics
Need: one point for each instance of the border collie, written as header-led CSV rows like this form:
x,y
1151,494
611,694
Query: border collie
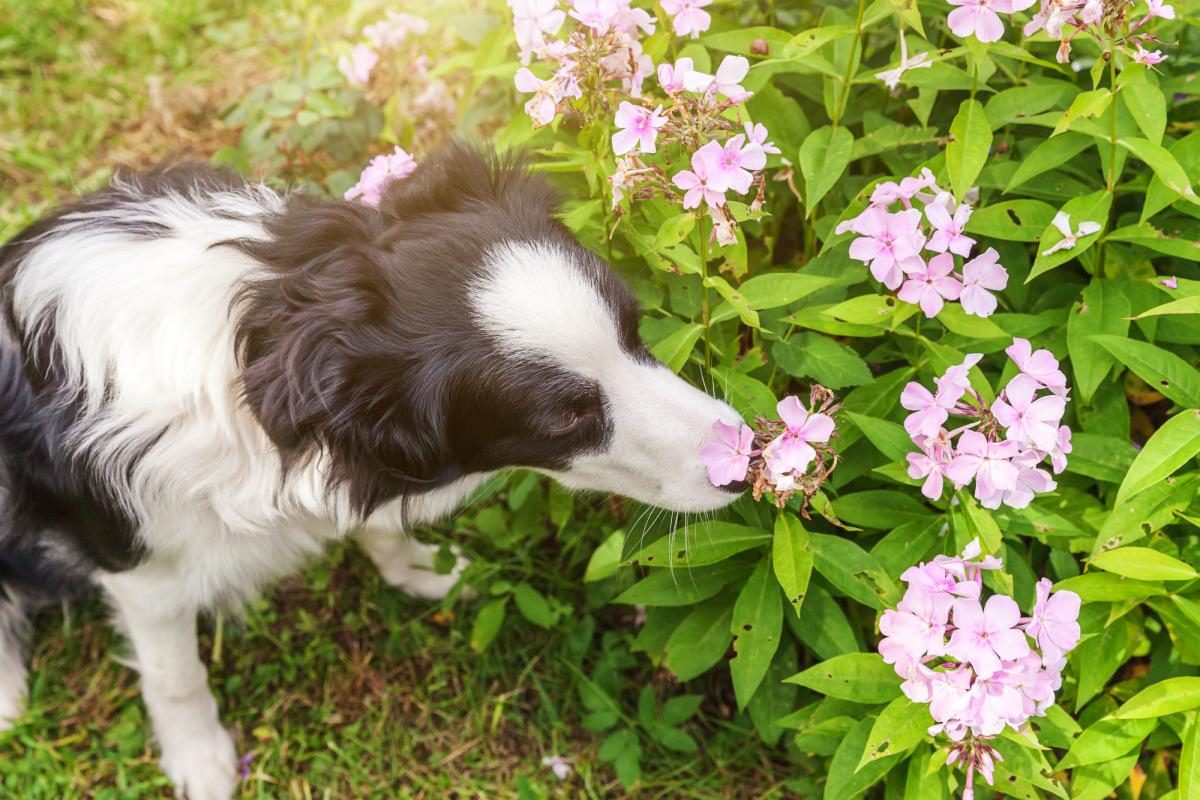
x,y
203,381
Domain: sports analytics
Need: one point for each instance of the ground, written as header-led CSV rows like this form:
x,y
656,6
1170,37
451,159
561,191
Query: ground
x,y
335,685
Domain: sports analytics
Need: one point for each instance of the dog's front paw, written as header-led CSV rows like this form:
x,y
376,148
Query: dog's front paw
x,y
202,767
12,694
418,577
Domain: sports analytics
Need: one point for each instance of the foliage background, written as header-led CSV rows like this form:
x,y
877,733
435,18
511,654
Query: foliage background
x,y
339,687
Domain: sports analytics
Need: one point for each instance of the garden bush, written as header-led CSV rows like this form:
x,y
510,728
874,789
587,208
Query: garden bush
x,y
966,234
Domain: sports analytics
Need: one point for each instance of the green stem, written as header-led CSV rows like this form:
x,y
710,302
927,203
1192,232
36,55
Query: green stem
x,y
1112,152
704,309
840,108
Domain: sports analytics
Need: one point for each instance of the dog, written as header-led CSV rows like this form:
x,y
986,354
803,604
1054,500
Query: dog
x,y
203,381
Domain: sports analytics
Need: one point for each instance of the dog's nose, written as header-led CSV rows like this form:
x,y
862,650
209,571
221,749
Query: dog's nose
x,y
737,487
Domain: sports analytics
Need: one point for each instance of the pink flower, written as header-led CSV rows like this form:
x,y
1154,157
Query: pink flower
x,y
728,458
1029,421
727,81
670,77
1055,621
380,173
1092,12
948,230
1171,282
757,133
730,166
988,463
1148,57
688,16
1058,455
546,93
929,411
1157,8
887,240
532,19
931,286
987,635
979,275
978,17
930,464
1031,481
791,451
392,31
599,15
1062,221
918,625
956,380
1041,365
639,128
358,65
696,186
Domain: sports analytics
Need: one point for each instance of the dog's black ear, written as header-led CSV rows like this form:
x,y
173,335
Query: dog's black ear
x,y
323,371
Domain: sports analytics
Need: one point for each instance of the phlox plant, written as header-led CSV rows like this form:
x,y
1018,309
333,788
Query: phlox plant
x,y
942,257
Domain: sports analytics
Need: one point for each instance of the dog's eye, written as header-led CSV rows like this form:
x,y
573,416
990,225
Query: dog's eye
x,y
570,420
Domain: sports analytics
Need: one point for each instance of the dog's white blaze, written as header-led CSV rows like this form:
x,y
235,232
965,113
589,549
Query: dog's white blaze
x,y
535,300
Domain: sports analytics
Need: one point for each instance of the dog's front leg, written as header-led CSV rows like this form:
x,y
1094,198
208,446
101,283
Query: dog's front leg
x,y
408,564
197,752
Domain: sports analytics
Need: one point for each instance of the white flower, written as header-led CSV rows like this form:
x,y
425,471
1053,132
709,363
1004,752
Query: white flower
x,y
1062,221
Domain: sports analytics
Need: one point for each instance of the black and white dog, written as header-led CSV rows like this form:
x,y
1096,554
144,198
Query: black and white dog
x,y
203,381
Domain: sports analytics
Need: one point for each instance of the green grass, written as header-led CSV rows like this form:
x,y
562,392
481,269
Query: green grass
x,y
335,685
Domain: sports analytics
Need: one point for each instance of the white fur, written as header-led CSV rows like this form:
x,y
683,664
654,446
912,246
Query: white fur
x,y
13,676
536,301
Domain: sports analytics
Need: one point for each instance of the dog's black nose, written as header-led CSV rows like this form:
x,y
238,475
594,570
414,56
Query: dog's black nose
x,y
737,487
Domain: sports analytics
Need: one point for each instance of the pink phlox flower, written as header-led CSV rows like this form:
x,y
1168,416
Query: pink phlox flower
x,y
1062,221
532,21
982,275
1092,12
918,679
930,411
643,66
932,286
599,15
1158,8
995,700
887,239
670,77
956,380
930,464
688,16
1031,481
1148,57
639,128
392,31
1061,449
918,624
947,576
727,81
728,457
546,93
1055,621
358,65
630,20
1171,282
948,229
696,185
381,172
950,698
986,636
979,17
1041,365
1030,421
757,133
791,450
1053,16
1035,683
988,463
730,166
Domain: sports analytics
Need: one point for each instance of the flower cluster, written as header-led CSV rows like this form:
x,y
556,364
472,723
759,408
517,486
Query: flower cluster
x,y
387,34
979,665
380,173
1003,446
786,457
930,220
1064,20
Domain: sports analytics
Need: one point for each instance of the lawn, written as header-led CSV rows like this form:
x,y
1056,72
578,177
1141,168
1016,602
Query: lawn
x,y
335,685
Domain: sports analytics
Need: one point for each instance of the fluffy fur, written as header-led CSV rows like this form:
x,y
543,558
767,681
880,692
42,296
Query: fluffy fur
x,y
203,381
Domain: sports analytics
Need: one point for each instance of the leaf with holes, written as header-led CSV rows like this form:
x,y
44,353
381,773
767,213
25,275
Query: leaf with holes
x,y
756,626
1162,369
858,677
699,545
792,558
1174,444
1143,564
900,727
1103,308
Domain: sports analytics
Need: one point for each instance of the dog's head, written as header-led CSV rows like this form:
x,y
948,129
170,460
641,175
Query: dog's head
x,y
461,329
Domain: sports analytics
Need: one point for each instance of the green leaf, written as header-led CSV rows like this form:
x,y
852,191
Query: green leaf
x,y
1050,154
1102,309
792,558
889,438
487,624
1147,106
1144,564
748,395
1104,458
1106,587
1173,445
1169,696
900,727
606,559
858,677
829,363
756,627
667,587
880,509
1014,220
824,156
1093,207
1099,657
1085,105
674,230
676,348
700,641
1147,512
1106,740
853,571
1187,152
1189,762
967,152
1165,167
845,779
1161,369
774,290
812,40
533,605
1184,305
1097,781
734,299
958,321
1146,235
700,544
